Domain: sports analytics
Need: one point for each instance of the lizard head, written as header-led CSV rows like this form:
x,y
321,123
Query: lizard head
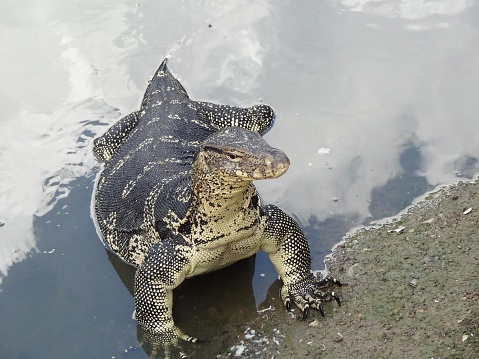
x,y
238,154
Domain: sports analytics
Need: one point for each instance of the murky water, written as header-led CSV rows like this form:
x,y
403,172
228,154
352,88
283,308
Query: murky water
x,y
376,103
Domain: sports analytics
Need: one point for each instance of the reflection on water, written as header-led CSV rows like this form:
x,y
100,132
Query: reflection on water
x,y
388,87
408,9
41,154
400,191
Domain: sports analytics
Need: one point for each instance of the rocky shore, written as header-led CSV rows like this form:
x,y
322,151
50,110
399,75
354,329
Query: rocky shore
x,y
411,290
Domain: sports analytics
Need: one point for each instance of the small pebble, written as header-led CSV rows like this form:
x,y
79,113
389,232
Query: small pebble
x,y
239,351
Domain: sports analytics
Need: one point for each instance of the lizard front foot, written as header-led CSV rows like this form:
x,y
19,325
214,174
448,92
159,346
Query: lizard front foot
x,y
165,341
309,293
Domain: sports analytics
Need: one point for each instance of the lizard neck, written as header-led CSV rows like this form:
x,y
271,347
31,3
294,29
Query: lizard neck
x,y
213,193
222,210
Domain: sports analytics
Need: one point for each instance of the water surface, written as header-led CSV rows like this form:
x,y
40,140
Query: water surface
x,y
376,103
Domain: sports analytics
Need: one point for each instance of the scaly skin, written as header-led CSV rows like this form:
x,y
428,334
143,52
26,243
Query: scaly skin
x,y
176,199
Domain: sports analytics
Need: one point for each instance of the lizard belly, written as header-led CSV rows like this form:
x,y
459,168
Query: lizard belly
x,y
206,260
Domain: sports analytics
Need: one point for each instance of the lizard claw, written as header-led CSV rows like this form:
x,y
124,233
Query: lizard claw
x,y
166,341
336,298
308,293
321,309
288,305
305,311
283,293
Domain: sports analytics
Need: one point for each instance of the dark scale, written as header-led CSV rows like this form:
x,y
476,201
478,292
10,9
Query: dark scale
x,y
176,199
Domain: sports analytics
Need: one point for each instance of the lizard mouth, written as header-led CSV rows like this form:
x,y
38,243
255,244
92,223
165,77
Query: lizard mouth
x,y
237,154
274,166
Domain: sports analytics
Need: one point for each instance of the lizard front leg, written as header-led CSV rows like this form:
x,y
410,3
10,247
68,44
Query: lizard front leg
x,y
164,268
289,252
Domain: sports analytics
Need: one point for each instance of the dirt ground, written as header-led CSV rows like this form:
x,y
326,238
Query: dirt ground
x,y
411,290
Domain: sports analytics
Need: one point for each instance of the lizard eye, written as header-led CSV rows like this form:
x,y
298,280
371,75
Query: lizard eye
x,y
235,155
